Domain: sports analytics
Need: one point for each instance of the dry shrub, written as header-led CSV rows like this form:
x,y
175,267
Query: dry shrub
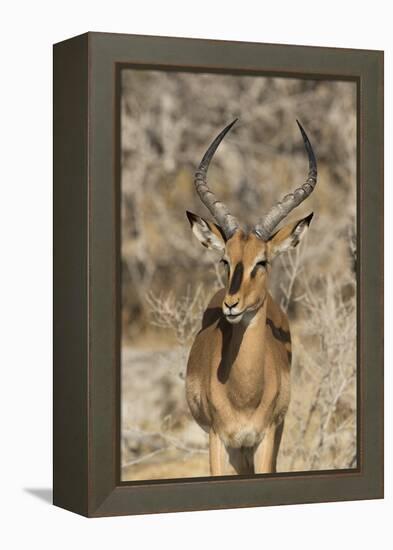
x,y
320,431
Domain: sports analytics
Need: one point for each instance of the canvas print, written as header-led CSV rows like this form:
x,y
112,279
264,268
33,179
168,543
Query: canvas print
x,y
238,199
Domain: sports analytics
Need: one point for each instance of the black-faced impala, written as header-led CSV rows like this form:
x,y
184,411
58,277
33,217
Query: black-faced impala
x,y
238,372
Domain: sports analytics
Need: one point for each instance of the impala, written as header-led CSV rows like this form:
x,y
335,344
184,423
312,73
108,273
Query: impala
x,y
238,372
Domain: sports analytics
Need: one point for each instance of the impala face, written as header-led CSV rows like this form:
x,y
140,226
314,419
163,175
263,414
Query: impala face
x,y
246,262
246,257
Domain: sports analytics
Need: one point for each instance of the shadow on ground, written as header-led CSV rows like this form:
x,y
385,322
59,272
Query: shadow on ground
x,y
43,494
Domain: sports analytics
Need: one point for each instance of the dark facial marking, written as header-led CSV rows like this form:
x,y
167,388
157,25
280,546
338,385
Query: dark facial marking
x,y
278,333
236,278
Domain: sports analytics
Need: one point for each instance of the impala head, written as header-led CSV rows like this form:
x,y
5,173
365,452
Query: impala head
x,y
247,254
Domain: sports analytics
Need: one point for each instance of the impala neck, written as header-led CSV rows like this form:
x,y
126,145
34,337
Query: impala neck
x,y
243,358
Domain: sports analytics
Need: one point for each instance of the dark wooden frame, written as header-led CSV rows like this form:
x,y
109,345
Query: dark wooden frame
x,y
86,274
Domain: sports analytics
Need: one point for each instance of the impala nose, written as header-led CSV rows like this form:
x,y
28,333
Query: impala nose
x,y
230,306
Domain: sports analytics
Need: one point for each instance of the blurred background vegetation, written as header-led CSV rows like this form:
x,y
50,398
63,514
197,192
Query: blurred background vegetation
x,y
168,119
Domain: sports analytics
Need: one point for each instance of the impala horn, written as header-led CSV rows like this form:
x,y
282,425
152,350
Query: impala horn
x,y
280,210
220,212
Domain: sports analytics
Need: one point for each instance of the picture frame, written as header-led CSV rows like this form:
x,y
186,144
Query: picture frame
x,y
86,380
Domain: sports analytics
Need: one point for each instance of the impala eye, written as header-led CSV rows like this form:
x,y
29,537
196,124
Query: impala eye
x,y
262,263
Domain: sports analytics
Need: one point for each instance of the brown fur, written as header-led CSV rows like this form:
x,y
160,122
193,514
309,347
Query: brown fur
x,y
238,372
238,385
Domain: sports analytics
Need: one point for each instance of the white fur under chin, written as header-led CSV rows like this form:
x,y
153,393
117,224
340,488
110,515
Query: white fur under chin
x,y
248,317
234,320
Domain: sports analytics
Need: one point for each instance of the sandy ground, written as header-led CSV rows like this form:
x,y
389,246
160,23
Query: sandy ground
x,y
159,437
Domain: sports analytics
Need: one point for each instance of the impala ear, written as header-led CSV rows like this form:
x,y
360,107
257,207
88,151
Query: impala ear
x,y
289,236
209,234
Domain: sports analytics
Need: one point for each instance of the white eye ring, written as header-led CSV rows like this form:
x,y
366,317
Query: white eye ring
x,y
262,263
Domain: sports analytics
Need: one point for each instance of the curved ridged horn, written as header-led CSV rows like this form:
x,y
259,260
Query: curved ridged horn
x,y
227,222
280,210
